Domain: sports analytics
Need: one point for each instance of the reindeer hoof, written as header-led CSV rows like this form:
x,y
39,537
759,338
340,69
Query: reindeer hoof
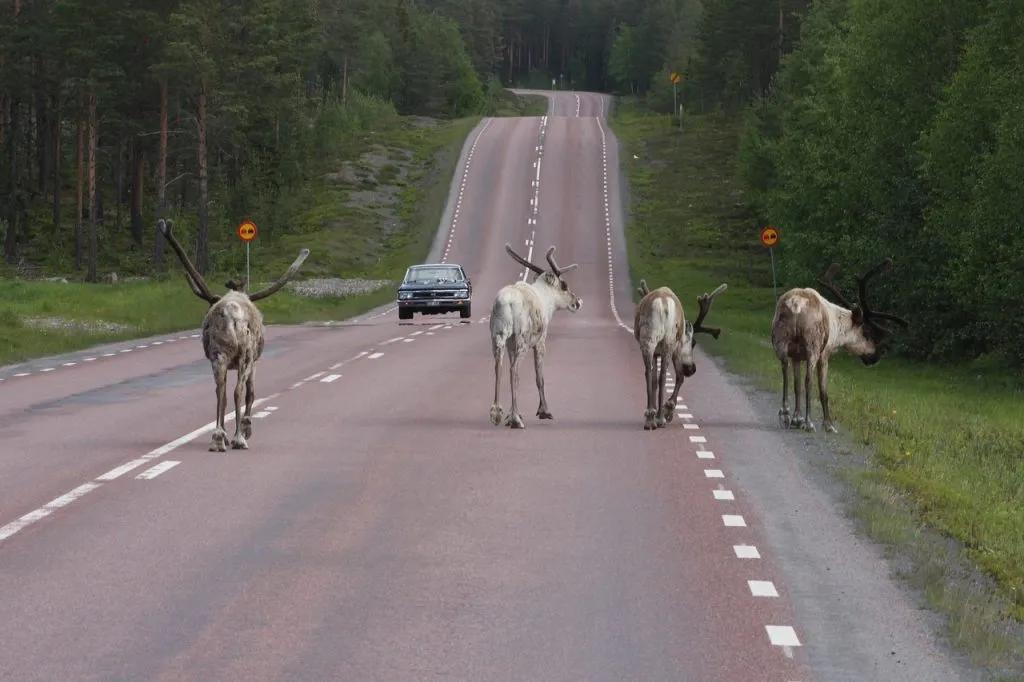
x,y
220,441
238,443
784,419
496,414
660,421
544,414
514,421
808,426
669,411
247,427
830,427
649,420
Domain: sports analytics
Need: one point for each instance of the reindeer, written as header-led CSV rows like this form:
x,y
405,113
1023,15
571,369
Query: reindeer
x,y
520,317
663,333
233,336
808,327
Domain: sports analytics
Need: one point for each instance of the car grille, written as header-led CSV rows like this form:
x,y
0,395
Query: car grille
x,y
435,294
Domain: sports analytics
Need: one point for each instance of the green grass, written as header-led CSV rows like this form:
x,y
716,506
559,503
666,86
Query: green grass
x,y
344,241
945,442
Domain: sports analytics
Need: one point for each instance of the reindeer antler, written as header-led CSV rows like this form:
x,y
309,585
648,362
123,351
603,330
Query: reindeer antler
x,y
199,289
642,289
826,281
862,291
522,261
292,269
554,266
705,302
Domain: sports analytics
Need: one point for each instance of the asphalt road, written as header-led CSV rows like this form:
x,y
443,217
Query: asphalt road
x,y
380,528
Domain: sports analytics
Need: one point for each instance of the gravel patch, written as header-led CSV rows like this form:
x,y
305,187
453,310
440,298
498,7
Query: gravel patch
x,y
320,288
65,324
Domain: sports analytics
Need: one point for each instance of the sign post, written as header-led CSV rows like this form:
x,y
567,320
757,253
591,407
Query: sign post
x,y
676,106
247,232
770,238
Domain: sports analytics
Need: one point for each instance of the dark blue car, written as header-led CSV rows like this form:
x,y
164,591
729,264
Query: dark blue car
x,y
434,289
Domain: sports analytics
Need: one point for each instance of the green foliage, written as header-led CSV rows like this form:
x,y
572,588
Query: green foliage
x,y
890,131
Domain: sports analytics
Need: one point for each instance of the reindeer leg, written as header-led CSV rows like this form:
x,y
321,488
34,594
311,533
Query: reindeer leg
x,y
220,376
659,420
238,441
797,419
496,412
250,396
826,420
649,380
812,366
670,404
784,417
514,420
538,368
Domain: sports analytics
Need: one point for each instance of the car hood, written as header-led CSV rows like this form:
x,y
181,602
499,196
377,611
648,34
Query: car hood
x,y
432,285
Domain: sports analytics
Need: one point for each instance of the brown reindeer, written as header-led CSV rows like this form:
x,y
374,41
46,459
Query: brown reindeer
x,y
663,333
809,328
233,336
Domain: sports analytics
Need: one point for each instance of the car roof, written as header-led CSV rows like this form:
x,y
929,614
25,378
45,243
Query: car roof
x,y
435,265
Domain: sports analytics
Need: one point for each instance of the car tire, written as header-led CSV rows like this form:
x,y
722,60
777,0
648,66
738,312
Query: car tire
x,y
465,312
404,314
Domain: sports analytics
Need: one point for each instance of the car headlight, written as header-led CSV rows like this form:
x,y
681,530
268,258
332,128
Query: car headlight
x,y
404,295
464,293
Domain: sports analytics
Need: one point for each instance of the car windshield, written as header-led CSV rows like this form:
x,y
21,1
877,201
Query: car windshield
x,y
432,274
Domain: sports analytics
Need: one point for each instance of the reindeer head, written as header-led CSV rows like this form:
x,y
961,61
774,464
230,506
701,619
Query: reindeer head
x,y
562,296
198,285
868,334
683,355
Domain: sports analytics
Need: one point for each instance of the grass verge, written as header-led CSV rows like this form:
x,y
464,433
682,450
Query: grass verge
x,y
511,104
944,481
370,220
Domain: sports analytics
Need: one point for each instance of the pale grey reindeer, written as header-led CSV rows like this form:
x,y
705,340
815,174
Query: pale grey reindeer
x,y
665,335
233,338
809,328
520,317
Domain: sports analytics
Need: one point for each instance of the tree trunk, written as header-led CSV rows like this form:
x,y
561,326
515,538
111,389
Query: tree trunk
x,y
11,237
161,173
80,166
138,187
93,194
202,245
56,164
344,81
43,129
119,181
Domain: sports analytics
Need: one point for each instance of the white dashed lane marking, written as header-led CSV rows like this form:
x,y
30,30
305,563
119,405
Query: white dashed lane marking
x,y
155,471
77,493
762,588
746,552
783,636
462,190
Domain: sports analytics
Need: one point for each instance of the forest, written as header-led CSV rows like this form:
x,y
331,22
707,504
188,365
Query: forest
x,y
870,127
